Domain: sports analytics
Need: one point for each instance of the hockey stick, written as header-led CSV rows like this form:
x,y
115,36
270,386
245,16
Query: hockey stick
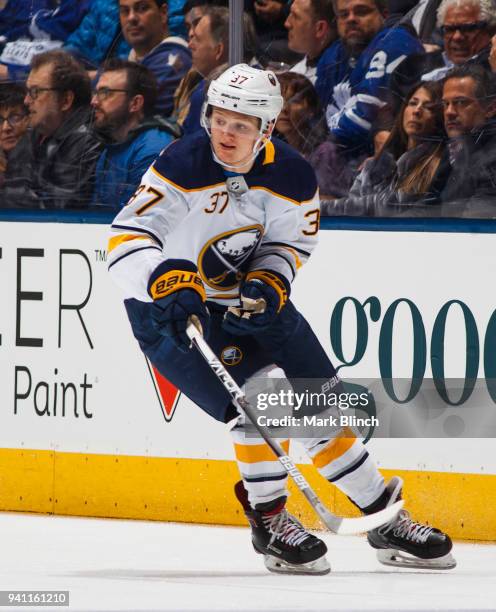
x,y
336,524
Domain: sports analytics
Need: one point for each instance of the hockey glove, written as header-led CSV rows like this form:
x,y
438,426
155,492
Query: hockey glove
x,y
263,295
178,294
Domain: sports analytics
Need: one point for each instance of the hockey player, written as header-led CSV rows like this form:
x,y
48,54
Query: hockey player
x,y
224,218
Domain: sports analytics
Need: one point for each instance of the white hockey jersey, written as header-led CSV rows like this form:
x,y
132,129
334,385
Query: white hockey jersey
x,y
187,208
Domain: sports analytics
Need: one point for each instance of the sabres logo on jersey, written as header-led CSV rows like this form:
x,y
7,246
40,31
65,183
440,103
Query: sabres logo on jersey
x,y
231,355
224,260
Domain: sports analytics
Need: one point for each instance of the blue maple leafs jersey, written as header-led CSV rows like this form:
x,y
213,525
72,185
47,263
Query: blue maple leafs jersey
x,y
353,90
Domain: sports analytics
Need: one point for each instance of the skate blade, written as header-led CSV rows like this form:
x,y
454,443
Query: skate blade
x,y
398,558
319,567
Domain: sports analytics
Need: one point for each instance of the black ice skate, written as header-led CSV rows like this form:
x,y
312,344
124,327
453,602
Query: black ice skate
x,y
405,543
287,547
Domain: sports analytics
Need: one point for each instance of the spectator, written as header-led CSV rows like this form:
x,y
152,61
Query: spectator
x,y
408,168
43,30
209,46
13,121
269,18
467,27
124,105
56,160
302,124
144,25
469,95
353,74
311,29
98,36
193,12
209,40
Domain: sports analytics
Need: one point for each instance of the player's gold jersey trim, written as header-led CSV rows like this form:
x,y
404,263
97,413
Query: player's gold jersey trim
x,y
270,153
296,257
214,186
116,241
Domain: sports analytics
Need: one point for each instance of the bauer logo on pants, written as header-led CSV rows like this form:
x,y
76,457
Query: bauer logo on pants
x,y
231,356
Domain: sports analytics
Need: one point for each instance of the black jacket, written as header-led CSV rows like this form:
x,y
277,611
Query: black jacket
x,y
464,185
471,187
375,192
53,172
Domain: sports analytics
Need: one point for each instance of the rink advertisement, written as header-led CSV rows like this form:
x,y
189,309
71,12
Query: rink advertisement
x,y
89,427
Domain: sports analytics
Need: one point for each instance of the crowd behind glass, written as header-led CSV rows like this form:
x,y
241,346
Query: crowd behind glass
x,y
391,101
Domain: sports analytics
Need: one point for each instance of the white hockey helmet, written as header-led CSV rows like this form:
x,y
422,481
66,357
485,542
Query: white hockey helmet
x,y
246,90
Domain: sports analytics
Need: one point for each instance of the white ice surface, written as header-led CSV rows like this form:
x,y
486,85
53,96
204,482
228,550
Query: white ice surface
x,y
134,565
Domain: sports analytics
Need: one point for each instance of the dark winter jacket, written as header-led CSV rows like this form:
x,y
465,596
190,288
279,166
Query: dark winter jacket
x,y
53,172
375,192
464,185
371,188
121,165
335,171
471,187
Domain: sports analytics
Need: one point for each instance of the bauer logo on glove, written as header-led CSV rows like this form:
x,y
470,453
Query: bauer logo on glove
x,y
178,296
175,280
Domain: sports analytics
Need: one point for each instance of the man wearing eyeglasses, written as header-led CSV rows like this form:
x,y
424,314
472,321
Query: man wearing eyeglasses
x,y
124,105
469,107
57,158
467,27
